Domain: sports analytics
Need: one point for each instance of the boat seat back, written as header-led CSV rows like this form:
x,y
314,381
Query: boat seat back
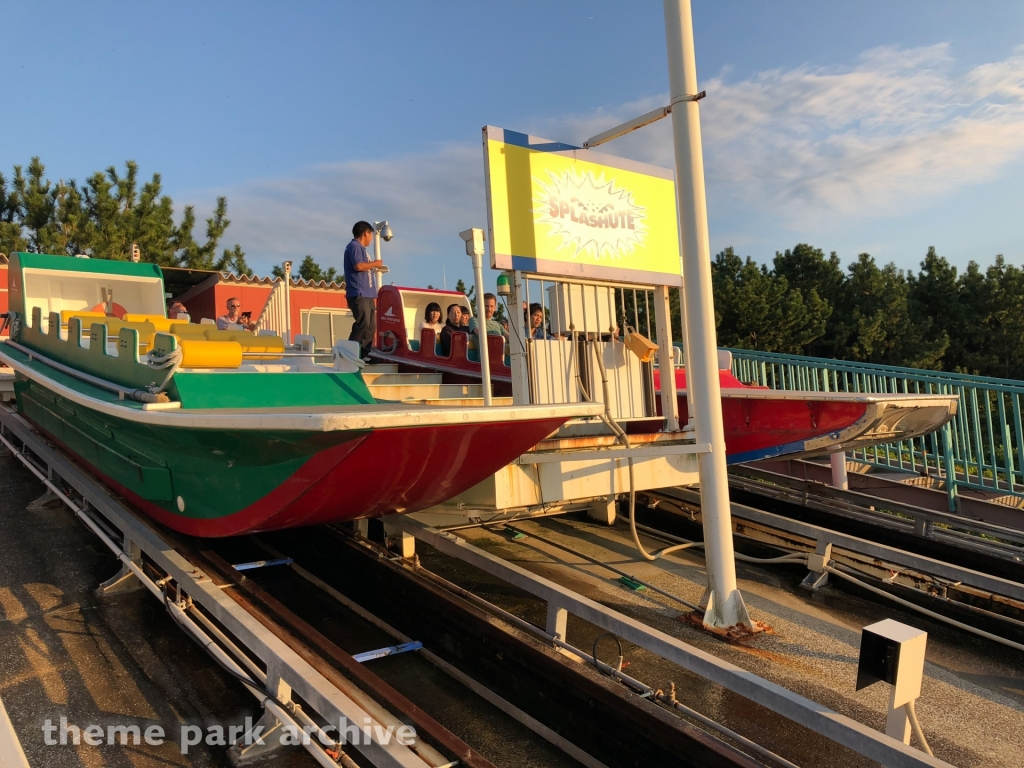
x,y
146,330
187,330
161,323
200,353
67,314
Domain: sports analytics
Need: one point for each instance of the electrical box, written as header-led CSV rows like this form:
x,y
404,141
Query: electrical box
x,y
585,308
892,652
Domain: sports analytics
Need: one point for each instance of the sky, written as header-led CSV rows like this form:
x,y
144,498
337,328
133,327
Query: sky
x,y
874,127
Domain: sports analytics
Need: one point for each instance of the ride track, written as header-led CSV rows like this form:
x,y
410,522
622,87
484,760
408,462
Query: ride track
x,y
462,634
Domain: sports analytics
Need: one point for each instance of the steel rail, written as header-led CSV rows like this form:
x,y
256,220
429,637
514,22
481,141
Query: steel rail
x,y
833,725
283,664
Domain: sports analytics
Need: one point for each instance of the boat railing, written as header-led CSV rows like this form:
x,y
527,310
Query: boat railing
x,y
577,353
981,448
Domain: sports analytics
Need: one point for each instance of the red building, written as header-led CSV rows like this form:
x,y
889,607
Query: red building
x,y
319,308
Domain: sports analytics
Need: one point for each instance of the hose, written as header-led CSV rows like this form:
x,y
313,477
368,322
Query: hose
x,y
139,395
925,611
915,726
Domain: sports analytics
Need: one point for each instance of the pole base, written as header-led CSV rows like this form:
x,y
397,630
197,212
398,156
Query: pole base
x,y
729,620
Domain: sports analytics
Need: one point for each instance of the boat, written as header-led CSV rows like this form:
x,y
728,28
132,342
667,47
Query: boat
x,y
223,432
759,422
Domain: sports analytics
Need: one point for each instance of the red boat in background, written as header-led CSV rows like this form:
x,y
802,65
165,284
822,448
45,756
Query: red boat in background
x,y
760,422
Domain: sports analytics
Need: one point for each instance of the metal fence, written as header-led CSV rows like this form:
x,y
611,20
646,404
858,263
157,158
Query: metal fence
x,y
573,327
981,448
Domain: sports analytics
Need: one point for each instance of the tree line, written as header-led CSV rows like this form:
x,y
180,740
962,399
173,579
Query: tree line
x,y
103,217
939,318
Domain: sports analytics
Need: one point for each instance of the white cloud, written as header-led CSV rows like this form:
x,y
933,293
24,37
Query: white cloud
x,y
427,196
892,133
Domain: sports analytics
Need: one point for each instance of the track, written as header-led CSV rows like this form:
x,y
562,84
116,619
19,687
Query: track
x,y
481,692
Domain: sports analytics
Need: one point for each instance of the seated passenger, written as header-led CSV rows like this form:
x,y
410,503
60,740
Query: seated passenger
x,y
494,328
177,311
452,324
432,318
535,322
235,317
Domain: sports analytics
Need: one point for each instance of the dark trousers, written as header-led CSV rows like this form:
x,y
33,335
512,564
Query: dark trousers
x,y
364,312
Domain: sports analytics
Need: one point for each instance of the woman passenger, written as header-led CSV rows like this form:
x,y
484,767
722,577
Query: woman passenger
x,y
432,317
452,324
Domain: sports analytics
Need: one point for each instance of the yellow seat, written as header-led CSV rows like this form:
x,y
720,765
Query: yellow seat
x,y
199,353
67,314
187,330
146,330
161,323
273,345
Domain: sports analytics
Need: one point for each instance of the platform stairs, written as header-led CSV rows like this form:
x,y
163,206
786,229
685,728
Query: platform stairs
x,y
979,454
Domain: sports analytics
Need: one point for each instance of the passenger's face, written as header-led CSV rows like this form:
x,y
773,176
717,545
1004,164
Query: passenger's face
x,y
435,315
537,319
490,306
455,315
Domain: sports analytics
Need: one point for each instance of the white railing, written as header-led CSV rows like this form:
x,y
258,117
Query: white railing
x,y
274,316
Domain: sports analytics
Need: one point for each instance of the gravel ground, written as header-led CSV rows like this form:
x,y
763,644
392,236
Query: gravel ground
x,y
972,702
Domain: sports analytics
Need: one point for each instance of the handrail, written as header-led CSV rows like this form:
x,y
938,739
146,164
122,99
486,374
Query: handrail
x,y
981,448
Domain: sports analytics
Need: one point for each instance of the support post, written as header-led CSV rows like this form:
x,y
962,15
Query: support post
x,y
724,603
481,324
287,303
666,365
398,540
125,579
602,510
839,478
517,345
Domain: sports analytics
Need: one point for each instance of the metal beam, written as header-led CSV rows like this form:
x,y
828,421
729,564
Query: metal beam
x,y
314,688
839,728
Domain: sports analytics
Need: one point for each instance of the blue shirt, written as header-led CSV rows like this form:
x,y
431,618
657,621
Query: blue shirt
x,y
357,284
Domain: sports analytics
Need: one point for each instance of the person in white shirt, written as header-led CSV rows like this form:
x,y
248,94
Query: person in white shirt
x,y
432,318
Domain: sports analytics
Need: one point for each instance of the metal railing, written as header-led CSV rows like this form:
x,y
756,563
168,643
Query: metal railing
x,y
982,448
581,328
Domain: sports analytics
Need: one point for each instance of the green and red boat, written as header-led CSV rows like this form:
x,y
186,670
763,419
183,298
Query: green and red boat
x,y
218,433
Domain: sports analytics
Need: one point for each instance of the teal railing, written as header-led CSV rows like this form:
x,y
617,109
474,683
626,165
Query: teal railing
x,y
981,448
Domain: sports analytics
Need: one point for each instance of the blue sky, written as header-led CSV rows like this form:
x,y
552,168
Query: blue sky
x,y
869,126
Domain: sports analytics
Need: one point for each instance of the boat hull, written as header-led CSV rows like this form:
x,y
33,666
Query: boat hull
x,y
222,482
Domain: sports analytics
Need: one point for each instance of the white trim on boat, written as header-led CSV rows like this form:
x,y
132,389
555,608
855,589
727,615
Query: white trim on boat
x,y
318,419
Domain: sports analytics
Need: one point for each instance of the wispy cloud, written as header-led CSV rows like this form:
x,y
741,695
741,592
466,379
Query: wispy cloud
x,y
891,133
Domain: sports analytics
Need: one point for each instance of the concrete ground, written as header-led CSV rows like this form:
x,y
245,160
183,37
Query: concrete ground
x,y
972,703
97,661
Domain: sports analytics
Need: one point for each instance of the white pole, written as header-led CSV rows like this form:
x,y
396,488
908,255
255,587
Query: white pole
x,y
287,303
724,605
839,478
376,254
481,326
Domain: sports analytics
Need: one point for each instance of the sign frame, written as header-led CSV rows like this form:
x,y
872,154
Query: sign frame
x,y
570,268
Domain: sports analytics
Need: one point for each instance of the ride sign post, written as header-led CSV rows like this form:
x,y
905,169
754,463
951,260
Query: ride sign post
x,y
724,606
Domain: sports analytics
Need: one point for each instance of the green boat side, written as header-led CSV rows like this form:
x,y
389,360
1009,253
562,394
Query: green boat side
x,y
194,389
200,473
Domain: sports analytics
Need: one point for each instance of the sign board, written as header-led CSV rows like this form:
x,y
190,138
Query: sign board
x,y
560,210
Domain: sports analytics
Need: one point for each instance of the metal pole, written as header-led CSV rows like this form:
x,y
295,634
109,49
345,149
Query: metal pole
x,y
287,303
724,606
376,253
839,478
481,326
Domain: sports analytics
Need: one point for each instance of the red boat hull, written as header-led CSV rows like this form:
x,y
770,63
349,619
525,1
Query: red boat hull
x,y
382,472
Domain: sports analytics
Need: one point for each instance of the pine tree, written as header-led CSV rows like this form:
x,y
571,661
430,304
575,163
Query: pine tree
x,y
103,218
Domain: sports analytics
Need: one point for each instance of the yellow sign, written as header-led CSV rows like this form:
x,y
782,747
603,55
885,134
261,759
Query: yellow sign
x,y
556,209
